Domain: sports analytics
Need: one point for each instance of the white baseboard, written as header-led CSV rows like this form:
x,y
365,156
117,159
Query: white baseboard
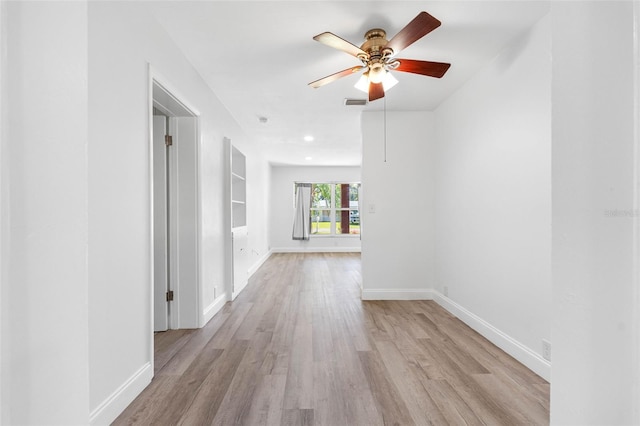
x,y
212,309
259,263
115,404
316,250
397,294
523,354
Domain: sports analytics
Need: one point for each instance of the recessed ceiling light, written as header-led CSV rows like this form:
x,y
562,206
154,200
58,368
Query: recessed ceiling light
x,y
308,138
308,158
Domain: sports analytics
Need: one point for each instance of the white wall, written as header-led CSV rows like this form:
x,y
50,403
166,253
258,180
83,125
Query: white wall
x,y
281,207
44,218
398,240
119,215
258,211
595,214
493,195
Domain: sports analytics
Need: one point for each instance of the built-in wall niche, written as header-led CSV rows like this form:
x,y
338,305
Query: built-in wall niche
x,y
239,232
238,188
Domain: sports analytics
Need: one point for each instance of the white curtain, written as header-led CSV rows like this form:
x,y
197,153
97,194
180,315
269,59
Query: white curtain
x,y
302,214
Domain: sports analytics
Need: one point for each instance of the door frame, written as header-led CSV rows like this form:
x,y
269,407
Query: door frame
x,y
185,312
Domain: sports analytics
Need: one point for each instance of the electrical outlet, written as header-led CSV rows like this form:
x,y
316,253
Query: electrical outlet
x,y
546,350
445,290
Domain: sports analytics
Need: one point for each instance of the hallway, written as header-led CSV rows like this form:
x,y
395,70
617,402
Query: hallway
x,y
298,346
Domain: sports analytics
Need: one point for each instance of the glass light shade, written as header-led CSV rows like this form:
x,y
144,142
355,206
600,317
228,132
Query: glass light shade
x,y
363,83
388,81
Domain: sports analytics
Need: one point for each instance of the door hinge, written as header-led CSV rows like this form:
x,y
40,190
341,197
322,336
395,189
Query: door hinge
x,y
168,140
170,296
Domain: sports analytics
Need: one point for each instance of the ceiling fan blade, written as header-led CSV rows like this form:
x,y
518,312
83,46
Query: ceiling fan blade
x,y
376,91
431,69
421,25
336,42
333,77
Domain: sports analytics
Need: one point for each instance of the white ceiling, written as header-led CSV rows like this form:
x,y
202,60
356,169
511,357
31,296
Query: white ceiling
x,y
259,56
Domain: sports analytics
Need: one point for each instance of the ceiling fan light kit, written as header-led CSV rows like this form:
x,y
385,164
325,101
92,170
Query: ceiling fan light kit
x,y
387,80
377,55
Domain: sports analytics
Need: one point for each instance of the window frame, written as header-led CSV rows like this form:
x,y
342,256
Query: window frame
x,y
333,209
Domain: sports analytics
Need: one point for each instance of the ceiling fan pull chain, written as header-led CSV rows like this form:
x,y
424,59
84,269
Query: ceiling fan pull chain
x,y
385,128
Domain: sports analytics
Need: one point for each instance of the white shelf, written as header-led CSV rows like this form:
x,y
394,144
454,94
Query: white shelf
x,y
238,188
238,163
238,214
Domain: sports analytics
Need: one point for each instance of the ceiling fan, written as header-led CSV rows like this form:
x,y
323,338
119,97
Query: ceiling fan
x,y
377,55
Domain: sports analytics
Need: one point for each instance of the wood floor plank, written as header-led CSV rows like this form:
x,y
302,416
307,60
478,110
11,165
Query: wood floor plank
x,y
267,403
236,404
351,387
299,347
298,417
210,394
180,361
529,410
450,403
186,387
224,336
328,403
168,344
299,388
392,407
418,401
483,404
404,320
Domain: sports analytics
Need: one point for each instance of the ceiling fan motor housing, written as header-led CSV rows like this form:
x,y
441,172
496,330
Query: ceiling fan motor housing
x,y
375,42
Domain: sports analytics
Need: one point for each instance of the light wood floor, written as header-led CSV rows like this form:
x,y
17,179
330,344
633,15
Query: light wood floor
x,y
298,347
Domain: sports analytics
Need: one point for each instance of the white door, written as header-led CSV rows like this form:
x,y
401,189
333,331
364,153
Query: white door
x,y
160,226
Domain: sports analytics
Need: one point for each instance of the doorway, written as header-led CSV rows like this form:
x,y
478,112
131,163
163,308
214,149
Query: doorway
x,y
161,231
174,211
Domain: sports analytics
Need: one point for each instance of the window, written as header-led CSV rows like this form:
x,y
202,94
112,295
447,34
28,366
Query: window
x,y
335,209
